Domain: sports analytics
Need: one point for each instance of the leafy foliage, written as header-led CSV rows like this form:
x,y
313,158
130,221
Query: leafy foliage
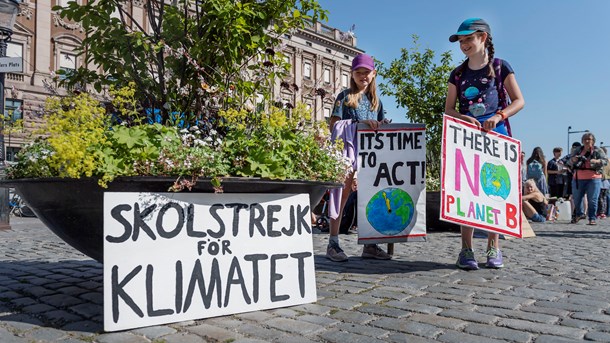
x,y
419,84
199,55
199,68
81,142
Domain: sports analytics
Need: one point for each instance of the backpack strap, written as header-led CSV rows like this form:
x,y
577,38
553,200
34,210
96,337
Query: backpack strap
x,y
502,96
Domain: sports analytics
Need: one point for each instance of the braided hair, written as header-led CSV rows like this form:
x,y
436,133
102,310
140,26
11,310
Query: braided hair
x,y
490,55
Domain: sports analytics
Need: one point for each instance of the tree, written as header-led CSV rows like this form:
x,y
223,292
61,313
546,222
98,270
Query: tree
x,y
419,84
197,56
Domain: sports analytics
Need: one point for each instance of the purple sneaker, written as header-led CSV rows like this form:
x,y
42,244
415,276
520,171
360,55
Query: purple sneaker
x,y
494,258
466,260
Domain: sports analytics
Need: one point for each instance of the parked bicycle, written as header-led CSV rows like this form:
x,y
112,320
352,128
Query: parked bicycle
x,y
17,205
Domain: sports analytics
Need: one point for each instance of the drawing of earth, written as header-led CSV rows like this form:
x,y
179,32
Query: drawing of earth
x,y
390,211
495,181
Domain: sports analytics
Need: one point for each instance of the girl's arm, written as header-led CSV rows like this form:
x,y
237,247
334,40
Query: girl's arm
x,y
514,92
537,196
450,106
333,120
545,171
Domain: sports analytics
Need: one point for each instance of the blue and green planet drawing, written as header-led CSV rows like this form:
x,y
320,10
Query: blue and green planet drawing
x,y
495,181
390,211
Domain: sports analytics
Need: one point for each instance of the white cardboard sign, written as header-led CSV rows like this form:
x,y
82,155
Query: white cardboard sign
x,y
172,257
480,179
391,183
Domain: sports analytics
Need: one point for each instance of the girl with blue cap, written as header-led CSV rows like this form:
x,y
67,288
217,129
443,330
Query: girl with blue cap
x,y
477,93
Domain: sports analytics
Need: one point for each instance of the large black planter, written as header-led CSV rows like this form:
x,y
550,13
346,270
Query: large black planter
x,y
73,208
433,210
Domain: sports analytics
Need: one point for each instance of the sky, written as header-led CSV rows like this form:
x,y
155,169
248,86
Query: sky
x,y
559,50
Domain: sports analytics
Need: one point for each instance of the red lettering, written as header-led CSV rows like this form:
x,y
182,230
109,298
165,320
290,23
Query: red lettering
x,y
511,216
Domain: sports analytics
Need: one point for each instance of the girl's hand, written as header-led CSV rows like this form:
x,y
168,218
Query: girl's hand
x,y
373,124
471,120
491,123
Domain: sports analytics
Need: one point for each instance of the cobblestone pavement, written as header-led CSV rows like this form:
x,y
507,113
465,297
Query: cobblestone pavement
x,y
555,288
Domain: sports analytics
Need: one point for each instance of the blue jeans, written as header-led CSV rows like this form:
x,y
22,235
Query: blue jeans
x,y
591,189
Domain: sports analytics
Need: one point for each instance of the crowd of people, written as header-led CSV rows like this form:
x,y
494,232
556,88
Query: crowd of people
x,y
482,91
581,176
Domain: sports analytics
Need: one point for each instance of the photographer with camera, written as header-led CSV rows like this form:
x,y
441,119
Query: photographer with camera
x,y
587,163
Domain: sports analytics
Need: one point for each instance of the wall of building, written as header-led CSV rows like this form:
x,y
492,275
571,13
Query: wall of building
x,y
320,57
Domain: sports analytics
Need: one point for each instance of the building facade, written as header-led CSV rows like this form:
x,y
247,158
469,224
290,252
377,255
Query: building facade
x,y
320,58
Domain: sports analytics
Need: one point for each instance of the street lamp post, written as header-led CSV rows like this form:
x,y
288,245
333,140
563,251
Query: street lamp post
x,y
571,132
8,14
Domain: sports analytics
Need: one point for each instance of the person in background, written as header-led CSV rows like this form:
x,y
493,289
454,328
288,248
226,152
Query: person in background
x,y
523,170
536,169
534,203
602,202
478,89
557,174
359,103
564,160
587,163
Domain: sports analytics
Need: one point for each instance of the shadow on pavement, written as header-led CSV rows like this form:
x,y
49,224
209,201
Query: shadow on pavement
x,y
65,295
574,234
357,264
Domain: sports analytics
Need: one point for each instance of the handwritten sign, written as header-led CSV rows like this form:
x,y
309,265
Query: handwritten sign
x,y
481,179
172,257
391,183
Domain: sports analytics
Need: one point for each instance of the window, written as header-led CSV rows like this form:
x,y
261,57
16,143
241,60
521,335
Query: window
x,y
307,70
13,109
344,80
67,63
11,151
326,112
14,50
260,103
326,75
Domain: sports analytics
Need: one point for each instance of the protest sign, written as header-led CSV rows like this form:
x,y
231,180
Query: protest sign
x,y
391,183
480,178
172,257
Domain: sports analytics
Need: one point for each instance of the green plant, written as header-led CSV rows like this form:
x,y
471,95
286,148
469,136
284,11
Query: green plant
x,y
181,97
419,84
80,142
194,56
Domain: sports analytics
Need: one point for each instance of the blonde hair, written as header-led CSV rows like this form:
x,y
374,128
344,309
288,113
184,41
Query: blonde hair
x,y
353,98
532,183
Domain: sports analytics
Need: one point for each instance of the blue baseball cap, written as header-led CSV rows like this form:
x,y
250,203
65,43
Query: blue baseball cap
x,y
470,26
